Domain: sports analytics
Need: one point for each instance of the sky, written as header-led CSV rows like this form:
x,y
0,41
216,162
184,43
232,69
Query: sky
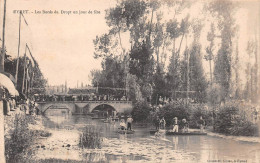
x,y
63,43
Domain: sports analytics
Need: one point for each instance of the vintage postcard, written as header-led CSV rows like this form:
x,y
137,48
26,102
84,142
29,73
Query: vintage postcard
x,y
171,81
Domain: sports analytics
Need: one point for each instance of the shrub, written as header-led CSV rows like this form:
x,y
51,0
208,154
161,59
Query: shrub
x,y
232,120
196,112
172,110
90,138
20,139
141,111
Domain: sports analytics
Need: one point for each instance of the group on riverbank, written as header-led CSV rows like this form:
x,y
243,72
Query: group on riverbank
x,y
183,125
231,118
18,104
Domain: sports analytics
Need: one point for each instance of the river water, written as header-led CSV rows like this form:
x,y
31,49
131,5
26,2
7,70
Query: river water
x,y
140,146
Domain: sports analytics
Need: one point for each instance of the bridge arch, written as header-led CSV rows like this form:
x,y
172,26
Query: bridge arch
x,y
105,109
57,110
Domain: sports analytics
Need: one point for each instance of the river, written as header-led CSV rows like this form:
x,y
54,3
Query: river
x,y
138,147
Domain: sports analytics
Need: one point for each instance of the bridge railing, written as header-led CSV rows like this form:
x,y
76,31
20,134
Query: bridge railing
x,y
78,98
103,102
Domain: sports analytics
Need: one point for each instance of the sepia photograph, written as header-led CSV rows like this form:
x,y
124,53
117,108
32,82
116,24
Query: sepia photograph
x,y
122,81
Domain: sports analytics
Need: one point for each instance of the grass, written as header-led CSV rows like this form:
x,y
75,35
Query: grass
x,y
20,139
91,138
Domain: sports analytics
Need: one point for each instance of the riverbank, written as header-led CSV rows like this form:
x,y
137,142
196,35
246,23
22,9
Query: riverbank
x,y
250,139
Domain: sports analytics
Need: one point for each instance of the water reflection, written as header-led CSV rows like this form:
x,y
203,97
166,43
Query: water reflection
x,y
141,146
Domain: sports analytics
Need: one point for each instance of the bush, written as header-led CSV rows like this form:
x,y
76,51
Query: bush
x,y
172,110
90,138
233,120
141,111
20,139
196,112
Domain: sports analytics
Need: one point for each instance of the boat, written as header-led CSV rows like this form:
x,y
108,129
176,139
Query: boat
x,y
185,133
126,131
180,133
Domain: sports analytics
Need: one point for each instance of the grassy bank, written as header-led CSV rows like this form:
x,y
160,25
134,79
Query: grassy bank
x,y
19,138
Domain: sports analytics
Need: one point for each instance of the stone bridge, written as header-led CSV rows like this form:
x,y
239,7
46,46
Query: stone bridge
x,y
86,107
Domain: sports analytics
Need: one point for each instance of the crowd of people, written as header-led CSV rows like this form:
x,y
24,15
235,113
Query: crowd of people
x,y
14,104
88,97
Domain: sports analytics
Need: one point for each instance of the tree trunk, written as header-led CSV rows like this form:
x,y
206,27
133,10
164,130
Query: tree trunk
x,y
188,72
256,65
180,44
173,59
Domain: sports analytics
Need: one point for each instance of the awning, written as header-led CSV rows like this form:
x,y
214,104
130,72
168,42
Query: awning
x,y
8,84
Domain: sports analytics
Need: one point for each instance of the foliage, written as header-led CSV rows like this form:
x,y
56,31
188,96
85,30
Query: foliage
x,y
141,62
160,86
223,11
232,119
112,75
141,111
104,46
18,143
196,112
91,138
172,110
214,94
151,38
134,91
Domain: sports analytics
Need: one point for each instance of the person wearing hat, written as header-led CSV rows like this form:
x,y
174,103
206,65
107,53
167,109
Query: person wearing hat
x,y
184,125
129,122
175,125
157,123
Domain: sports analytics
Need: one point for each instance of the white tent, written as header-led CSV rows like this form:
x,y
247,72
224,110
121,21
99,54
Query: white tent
x,y
8,84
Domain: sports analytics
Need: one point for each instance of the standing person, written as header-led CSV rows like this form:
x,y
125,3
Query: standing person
x,y
129,122
201,123
157,123
163,123
175,125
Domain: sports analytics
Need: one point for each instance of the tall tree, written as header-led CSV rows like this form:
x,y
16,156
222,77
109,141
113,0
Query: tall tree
x,y
224,12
